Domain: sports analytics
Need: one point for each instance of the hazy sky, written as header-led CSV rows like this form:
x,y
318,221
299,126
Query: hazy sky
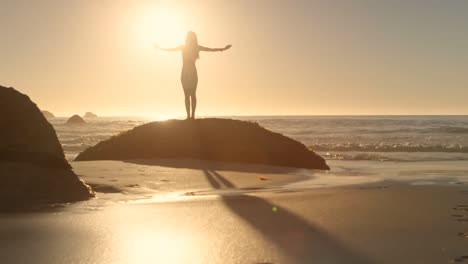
x,y
288,57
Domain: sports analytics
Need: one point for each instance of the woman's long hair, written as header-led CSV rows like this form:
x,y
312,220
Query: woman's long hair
x,y
191,45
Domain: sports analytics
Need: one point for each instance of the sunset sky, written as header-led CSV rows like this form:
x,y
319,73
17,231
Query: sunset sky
x,y
288,57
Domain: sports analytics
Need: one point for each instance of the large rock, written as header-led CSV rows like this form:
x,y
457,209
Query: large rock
x,y
74,120
33,167
48,114
90,115
207,139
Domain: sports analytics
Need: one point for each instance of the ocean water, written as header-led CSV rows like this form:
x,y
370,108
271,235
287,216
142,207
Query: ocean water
x,y
380,138
415,149
357,138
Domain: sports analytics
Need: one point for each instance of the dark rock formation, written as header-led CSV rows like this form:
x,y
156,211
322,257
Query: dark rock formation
x,y
48,114
33,167
90,115
76,119
206,139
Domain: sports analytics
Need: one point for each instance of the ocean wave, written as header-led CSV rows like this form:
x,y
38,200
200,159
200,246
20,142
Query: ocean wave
x,y
379,131
91,139
451,129
358,156
75,147
395,157
381,147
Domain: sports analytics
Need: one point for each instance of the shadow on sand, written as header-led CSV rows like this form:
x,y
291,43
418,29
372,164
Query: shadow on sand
x,y
214,165
299,240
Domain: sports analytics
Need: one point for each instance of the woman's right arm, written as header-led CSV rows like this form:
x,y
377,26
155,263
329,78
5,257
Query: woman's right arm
x,y
201,48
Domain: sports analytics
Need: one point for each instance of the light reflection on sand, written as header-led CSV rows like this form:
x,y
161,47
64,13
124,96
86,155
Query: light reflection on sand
x,y
166,198
144,246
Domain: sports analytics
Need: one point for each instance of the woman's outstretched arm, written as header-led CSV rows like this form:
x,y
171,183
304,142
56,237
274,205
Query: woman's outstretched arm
x,y
214,49
168,49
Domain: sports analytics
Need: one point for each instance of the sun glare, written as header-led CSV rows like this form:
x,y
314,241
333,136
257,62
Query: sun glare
x,y
162,26
162,116
145,246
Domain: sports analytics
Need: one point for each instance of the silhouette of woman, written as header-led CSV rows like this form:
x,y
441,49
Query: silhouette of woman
x,y
189,76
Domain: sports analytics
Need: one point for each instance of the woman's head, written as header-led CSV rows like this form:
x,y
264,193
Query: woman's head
x,y
191,44
191,38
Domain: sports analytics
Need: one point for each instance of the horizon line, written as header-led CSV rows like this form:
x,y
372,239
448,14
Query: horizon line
x,y
279,115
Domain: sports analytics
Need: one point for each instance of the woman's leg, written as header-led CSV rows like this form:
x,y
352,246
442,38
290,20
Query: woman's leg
x,y
194,103
187,103
194,97
190,87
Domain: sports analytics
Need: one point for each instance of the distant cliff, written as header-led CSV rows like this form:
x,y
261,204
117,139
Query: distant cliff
x,y
75,119
48,114
90,115
206,139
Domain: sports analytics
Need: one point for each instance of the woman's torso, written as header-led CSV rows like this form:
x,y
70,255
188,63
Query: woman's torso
x,y
189,68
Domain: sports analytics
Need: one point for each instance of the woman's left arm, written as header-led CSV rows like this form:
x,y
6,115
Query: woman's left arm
x,y
201,48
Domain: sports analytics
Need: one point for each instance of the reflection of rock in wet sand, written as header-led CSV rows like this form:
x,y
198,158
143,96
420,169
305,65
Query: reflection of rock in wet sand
x,y
461,259
461,214
33,167
206,139
463,208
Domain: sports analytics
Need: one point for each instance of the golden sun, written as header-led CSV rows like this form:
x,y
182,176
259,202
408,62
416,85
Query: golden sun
x,y
163,27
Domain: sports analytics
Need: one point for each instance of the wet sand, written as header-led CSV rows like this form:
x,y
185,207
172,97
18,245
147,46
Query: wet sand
x,y
224,213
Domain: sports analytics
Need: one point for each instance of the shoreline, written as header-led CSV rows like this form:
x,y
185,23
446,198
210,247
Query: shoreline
x,y
134,179
147,177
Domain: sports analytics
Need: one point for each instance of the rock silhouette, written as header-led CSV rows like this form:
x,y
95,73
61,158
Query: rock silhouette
x,y
74,120
206,139
90,115
48,114
33,167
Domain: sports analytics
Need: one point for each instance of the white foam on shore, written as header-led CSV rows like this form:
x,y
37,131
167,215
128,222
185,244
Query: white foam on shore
x,y
440,172
321,181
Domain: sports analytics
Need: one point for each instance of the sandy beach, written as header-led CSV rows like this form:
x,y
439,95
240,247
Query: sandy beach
x,y
233,132
164,211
